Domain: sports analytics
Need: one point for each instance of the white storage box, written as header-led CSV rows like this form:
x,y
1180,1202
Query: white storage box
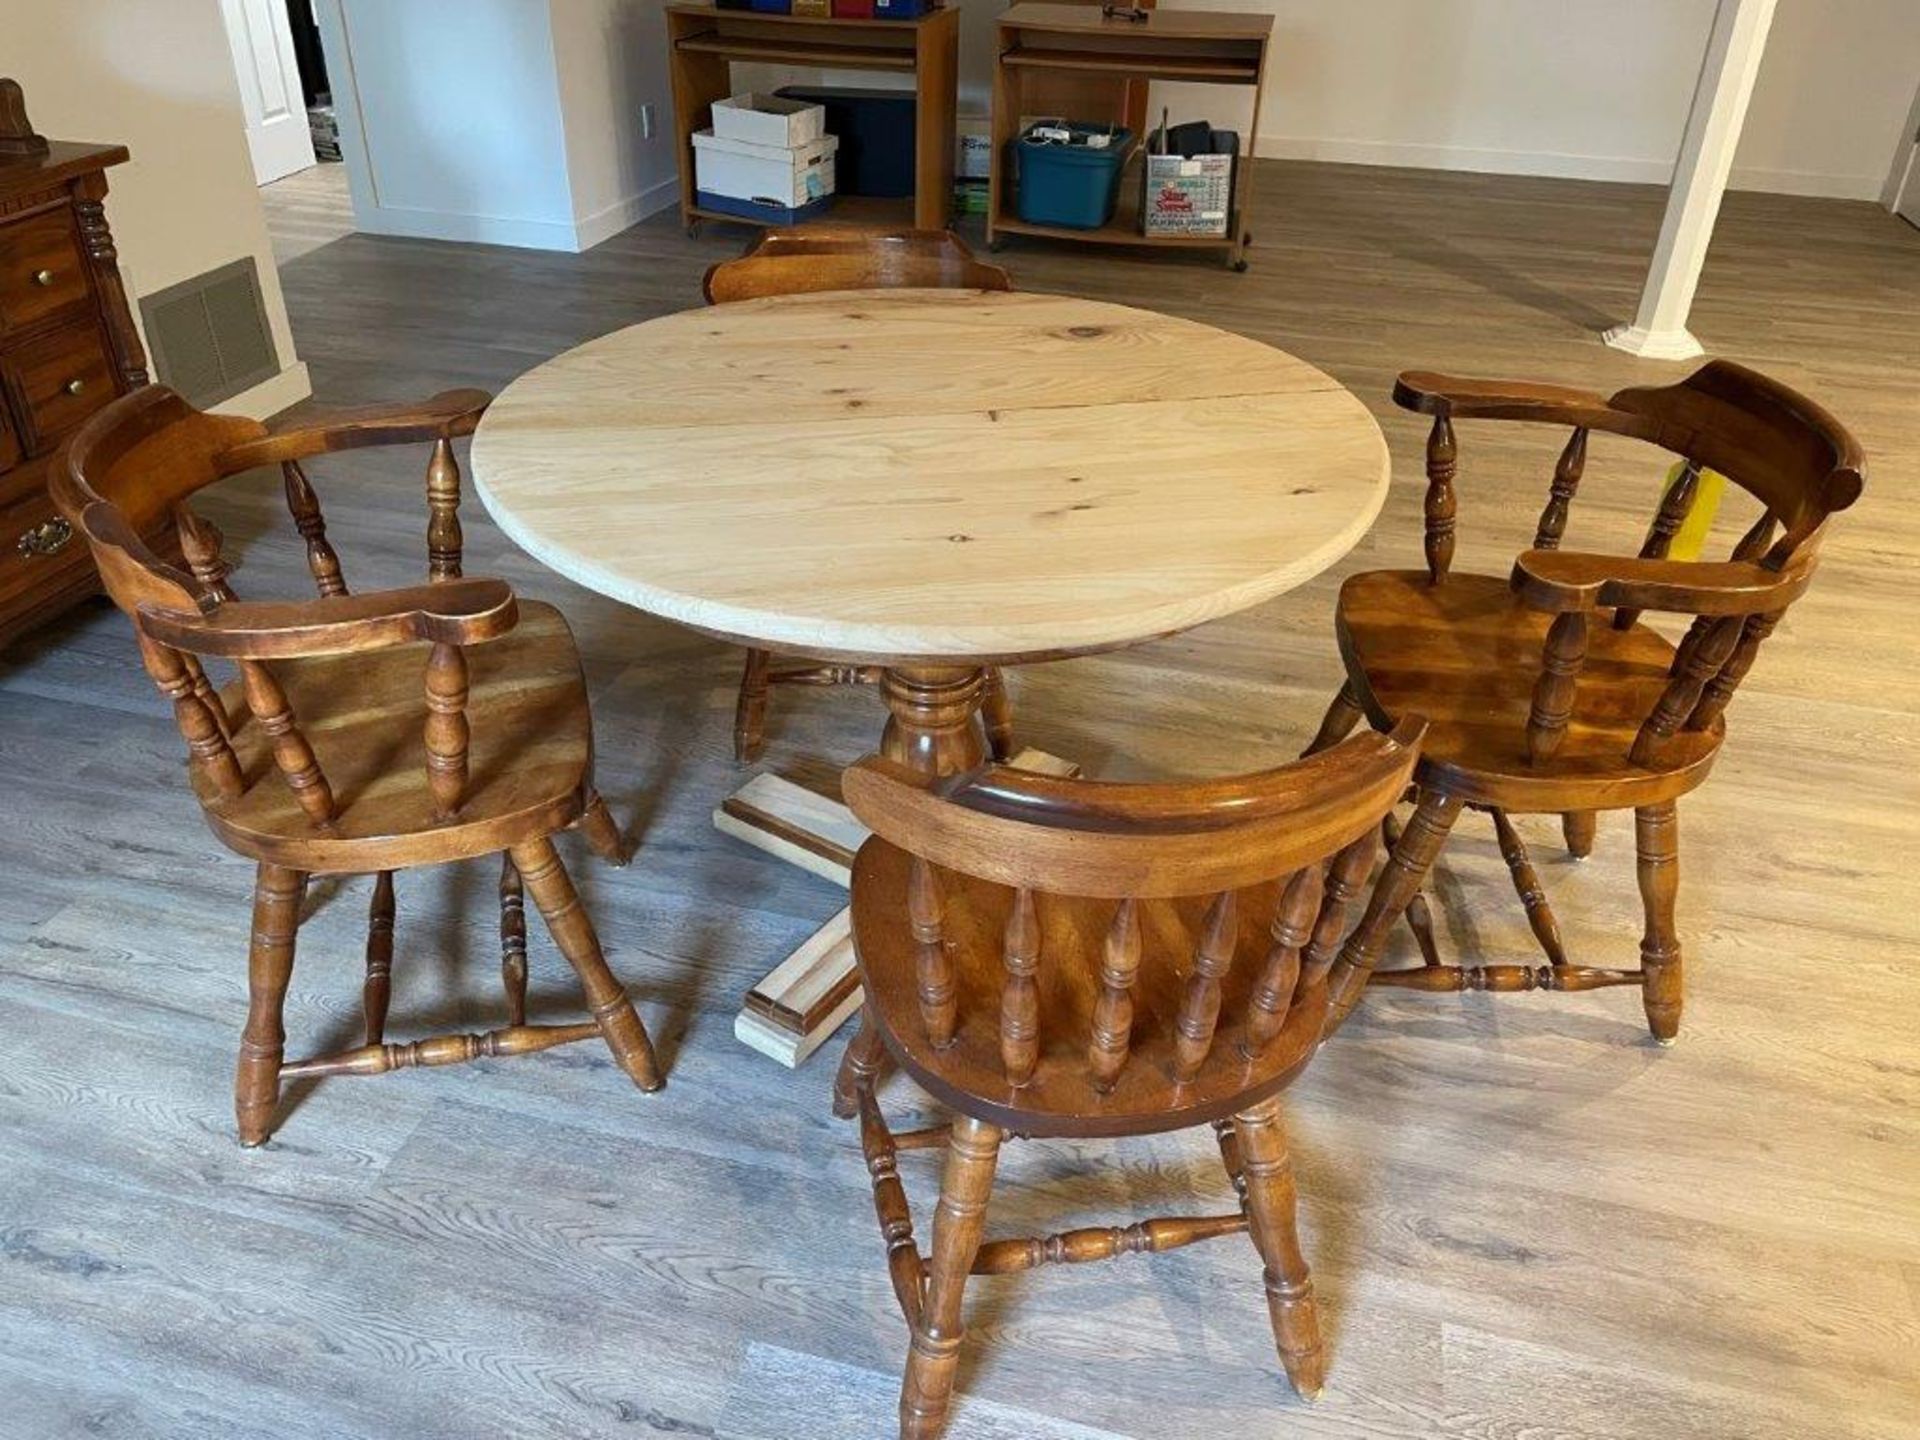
x,y
1186,194
975,158
768,120
773,174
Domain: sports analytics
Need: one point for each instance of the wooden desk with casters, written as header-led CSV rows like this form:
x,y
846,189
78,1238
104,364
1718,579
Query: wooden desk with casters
x,y
1038,42
955,480
703,42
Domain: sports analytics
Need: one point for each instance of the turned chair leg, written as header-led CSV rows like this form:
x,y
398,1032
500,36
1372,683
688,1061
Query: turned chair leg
x,y
602,834
276,922
1656,834
1578,827
539,866
513,941
1407,866
958,1221
861,1067
750,710
1267,1189
996,711
1419,914
378,987
1342,715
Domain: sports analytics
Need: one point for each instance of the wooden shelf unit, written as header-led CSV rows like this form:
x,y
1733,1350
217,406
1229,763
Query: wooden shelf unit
x,y
704,42
1040,40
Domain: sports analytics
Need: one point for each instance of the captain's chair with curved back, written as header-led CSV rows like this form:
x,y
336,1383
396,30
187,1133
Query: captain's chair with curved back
x,y
808,259
367,732
1544,690
1063,957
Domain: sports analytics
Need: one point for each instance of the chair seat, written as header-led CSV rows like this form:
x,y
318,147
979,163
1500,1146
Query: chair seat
x,y
1059,1099
1466,653
530,761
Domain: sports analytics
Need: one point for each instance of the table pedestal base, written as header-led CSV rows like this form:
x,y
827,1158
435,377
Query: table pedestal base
x,y
935,725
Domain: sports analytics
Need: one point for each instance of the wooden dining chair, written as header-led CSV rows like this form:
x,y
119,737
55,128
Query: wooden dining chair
x,y
1063,957
800,260
1545,691
367,732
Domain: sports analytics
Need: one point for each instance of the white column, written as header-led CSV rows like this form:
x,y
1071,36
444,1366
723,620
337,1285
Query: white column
x,y
1739,38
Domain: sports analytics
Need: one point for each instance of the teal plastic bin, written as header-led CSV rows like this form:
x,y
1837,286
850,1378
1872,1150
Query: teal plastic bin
x,y
1073,186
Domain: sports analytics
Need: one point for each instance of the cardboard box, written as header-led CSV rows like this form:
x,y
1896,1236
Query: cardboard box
x,y
768,120
774,174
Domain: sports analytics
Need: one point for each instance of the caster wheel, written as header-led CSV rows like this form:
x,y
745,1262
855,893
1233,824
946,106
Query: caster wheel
x,y
1240,267
1246,240
994,247
693,229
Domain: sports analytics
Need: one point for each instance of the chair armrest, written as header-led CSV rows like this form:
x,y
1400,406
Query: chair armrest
x,y
456,612
444,416
1461,398
1560,582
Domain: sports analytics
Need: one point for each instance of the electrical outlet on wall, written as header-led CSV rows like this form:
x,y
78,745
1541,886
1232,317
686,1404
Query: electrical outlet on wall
x,y
646,122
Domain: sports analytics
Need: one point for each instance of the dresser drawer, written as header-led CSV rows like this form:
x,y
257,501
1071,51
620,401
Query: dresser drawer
x,y
40,268
38,551
58,380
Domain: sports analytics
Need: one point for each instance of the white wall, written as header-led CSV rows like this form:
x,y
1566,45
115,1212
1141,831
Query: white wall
x,y
158,77
610,56
1591,88
449,117
1830,109
515,122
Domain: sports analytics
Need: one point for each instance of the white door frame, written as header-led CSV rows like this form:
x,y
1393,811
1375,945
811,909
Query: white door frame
x,y
261,38
1901,193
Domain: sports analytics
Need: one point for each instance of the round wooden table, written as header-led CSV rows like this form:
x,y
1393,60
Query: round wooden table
x,y
930,481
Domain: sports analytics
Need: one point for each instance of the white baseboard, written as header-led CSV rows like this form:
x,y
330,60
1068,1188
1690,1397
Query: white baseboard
x,y
270,397
573,236
472,229
1806,182
1631,169
1463,157
606,223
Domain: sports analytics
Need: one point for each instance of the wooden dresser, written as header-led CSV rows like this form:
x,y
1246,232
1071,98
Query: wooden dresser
x,y
67,346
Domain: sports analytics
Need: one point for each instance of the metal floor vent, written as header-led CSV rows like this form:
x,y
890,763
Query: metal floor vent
x,y
209,335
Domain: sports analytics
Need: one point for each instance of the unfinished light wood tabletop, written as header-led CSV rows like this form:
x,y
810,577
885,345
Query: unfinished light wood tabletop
x,y
932,481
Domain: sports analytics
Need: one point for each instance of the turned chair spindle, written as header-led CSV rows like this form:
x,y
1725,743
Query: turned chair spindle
x,y
322,563
1441,504
1293,921
333,754
1674,508
1200,1010
447,734
297,763
932,965
1091,984
1567,471
1112,1030
1019,996
1614,716
444,540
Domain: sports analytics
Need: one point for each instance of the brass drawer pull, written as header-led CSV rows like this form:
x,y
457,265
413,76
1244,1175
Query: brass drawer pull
x,y
47,538
74,387
43,278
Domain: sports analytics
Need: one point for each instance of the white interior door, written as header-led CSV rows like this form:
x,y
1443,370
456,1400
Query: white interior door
x,y
270,95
